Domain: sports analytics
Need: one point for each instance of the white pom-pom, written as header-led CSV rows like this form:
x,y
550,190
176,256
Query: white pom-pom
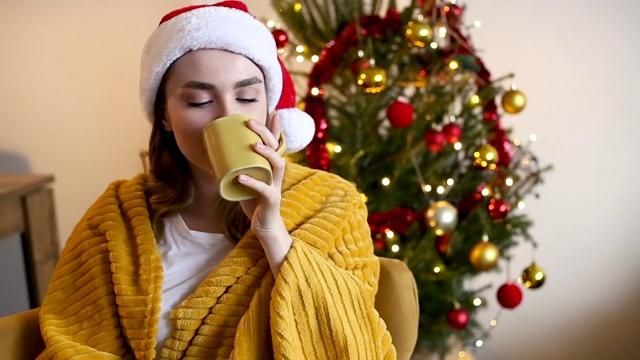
x,y
298,128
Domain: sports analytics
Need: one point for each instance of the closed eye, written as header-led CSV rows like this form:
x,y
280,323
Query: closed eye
x,y
200,104
247,100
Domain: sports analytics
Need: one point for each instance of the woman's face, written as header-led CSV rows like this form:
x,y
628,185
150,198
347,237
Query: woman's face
x,y
204,85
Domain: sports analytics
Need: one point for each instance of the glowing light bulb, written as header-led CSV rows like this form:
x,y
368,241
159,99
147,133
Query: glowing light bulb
x,y
509,181
385,181
442,31
433,45
475,100
457,146
428,188
395,248
477,301
479,343
300,58
493,323
477,24
299,49
521,205
297,7
390,234
440,190
437,269
450,182
271,23
453,65
533,137
315,91
315,58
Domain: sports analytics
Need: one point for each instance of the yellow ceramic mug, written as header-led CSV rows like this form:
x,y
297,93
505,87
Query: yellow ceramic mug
x,y
229,144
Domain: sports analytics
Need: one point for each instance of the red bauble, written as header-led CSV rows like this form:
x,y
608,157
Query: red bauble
x,y
498,209
400,114
442,244
379,244
358,64
452,132
509,295
457,318
435,140
281,38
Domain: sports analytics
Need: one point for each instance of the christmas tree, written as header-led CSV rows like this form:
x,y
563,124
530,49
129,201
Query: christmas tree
x,y
407,111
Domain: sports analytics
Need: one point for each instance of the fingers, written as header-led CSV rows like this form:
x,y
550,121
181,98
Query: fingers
x,y
276,161
274,126
270,135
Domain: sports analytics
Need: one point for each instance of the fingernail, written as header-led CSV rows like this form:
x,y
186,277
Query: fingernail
x,y
260,146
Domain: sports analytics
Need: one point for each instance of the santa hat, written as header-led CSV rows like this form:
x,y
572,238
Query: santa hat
x,y
229,26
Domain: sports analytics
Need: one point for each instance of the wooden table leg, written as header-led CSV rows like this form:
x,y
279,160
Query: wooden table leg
x,y
40,242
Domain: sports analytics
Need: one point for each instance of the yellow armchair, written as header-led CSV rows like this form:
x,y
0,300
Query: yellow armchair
x,y
396,301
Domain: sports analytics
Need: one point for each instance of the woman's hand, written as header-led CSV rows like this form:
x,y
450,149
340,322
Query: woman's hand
x,y
264,210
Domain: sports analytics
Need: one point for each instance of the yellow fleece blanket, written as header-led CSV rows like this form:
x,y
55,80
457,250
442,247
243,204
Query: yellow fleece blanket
x,y
104,299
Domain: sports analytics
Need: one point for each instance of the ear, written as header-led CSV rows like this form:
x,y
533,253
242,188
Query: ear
x,y
166,123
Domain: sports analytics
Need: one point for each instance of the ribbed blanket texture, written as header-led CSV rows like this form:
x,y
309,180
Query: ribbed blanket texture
x,y
104,299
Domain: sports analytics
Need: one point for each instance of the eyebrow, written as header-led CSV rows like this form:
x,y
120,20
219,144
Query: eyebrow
x,y
200,85
247,82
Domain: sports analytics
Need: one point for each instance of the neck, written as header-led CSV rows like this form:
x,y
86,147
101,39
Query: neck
x,y
203,214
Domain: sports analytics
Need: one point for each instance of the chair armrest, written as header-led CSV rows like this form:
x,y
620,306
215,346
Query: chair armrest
x,y
20,337
398,305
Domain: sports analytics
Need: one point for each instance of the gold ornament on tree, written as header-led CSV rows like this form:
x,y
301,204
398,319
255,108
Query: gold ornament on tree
x,y
372,79
484,256
442,217
513,101
486,156
533,277
418,33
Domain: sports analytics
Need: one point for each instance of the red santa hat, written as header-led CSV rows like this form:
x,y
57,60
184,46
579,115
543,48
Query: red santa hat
x,y
229,26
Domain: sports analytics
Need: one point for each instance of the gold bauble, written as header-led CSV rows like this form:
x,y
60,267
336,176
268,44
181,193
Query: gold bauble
x,y
533,277
484,256
418,33
442,217
486,156
513,101
372,79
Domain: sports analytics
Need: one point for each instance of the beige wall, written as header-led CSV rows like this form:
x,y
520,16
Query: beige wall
x,y
69,106
68,93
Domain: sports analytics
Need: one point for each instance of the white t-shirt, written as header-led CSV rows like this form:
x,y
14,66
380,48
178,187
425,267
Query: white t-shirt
x,y
187,258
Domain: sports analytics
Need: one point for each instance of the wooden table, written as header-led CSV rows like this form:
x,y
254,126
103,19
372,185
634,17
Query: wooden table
x,y
27,208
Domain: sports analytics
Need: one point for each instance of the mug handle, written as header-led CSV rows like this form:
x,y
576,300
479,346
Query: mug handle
x,y
282,147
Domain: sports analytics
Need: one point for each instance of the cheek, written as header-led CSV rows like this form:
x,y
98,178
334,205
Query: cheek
x,y
187,131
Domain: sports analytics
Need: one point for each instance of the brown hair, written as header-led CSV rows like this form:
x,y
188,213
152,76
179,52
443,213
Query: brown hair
x,y
170,188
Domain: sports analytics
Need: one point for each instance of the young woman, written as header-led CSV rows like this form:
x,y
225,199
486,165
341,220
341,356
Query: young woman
x,y
162,267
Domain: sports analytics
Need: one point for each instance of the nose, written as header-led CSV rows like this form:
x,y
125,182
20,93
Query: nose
x,y
226,106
